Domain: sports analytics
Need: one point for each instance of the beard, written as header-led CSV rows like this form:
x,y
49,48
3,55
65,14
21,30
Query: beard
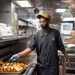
x,y
45,27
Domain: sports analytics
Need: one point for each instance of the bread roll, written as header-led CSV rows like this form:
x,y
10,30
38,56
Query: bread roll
x,y
12,67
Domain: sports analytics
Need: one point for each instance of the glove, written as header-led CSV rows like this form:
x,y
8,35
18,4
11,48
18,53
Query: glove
x,y
14,57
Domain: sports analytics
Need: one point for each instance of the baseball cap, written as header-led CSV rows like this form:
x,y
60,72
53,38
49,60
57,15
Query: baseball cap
x,y
45,15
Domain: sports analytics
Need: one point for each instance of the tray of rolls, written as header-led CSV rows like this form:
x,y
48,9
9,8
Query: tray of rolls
x,y
12,67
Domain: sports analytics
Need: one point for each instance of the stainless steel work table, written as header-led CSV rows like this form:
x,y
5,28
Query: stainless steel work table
x,y
63,59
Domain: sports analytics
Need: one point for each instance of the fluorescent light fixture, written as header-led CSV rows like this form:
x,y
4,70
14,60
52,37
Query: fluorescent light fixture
x,y
24,3
60,10
69,19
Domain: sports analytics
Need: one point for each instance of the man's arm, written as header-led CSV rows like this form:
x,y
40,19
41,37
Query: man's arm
x,y
25,52
31,47
20,54
61,47
65,54
67,58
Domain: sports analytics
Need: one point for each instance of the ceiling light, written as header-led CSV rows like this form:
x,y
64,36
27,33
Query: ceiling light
x,y
69,19
60,10
24,3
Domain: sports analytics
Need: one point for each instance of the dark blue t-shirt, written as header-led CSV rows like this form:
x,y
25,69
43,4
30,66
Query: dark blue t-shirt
x,y
46,47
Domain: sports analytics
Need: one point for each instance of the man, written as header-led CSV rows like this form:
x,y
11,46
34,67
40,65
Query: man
x,y
46,42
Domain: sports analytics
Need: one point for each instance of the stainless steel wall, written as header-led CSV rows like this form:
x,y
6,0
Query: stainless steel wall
x,y
5,12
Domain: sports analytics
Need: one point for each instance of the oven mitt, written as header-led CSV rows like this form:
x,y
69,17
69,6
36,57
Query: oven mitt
x,y
14,57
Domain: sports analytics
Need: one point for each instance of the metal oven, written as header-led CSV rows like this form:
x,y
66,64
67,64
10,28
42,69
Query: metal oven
x,y
7,50
28,60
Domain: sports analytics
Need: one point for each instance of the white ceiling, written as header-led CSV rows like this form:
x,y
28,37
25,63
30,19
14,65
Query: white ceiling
x,y
49,6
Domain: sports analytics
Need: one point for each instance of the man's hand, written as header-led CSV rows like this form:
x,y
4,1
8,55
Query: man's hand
x,y
67,58
68,64
14,57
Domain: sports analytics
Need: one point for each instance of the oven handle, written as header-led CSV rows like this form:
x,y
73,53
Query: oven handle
x,y
30,69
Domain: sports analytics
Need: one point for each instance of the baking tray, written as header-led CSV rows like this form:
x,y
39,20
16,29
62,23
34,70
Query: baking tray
x,y
26,60
16,73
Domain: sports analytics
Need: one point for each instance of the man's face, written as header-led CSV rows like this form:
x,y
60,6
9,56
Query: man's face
x,y
44,23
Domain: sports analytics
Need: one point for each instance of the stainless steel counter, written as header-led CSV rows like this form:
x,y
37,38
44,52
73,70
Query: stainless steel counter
x,y
63,59
12,44
5,39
